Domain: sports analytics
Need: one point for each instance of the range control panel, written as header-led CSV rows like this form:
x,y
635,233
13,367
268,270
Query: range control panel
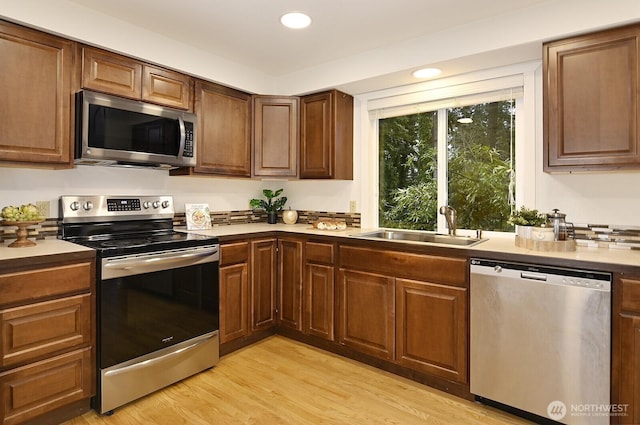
x,y
88,208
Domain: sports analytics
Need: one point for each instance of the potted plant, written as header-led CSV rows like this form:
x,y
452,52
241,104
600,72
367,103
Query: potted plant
x,y
525,220
272,205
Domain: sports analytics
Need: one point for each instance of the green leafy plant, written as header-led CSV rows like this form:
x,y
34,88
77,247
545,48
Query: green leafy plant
x,y
272,204
527,217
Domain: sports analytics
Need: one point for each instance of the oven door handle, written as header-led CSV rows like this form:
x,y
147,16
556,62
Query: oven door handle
x,y
128,266
199,341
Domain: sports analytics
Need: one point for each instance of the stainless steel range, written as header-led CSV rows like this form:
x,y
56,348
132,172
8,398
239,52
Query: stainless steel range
x,y
157,293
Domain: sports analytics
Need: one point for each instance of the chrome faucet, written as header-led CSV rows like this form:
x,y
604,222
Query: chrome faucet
x,y
450,215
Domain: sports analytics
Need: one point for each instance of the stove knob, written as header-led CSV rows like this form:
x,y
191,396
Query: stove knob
x,y
75,206
146,205
87,205
165,204
156,204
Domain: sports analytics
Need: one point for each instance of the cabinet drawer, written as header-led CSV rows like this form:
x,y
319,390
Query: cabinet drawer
x,y
37,329
33,390
234,253
447,270
630,295
316,252
46,282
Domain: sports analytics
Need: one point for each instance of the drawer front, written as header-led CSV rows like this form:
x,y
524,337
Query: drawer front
x,y
630,295
32,391
446,270
234,253
316,252
31,285
38,329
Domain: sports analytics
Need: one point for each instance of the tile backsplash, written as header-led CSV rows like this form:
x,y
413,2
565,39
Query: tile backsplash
x,y
50,227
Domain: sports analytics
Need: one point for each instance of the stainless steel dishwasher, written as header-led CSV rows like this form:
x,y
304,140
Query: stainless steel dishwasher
x,y
541,340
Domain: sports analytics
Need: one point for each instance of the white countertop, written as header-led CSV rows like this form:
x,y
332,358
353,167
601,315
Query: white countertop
x,y
43,247
503,245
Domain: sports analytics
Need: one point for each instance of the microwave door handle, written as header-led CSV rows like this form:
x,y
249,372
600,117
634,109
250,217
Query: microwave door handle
x,y
183,137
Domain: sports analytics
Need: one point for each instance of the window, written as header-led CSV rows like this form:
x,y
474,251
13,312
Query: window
x,y
462,156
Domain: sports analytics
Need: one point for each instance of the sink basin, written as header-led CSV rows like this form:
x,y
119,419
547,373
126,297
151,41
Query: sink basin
x,y
418,236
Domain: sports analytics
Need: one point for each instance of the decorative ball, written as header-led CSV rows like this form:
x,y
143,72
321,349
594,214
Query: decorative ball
x,y
290,216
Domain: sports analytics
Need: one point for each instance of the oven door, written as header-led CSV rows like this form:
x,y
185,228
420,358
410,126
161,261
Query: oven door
x,y
158,322
152,301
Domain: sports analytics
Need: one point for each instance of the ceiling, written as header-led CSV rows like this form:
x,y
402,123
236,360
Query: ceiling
x,y
248,32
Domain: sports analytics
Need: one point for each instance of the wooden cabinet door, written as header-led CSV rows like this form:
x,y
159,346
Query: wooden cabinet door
x,y
234,302
366,312
629,385
32,391
625,353
326,136
275,136
35,88
111,73
591,101
168,88
319,301
319,290
224,130
431,329
290,283
263,284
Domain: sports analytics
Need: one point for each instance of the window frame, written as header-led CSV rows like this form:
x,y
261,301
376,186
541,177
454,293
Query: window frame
x,y
425,96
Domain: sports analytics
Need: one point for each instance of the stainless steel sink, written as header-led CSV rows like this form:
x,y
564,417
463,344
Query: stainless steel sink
x,y
418,236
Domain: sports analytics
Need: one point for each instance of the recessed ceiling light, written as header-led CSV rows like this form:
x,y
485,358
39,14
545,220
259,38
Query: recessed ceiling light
x,y
295,20
427,73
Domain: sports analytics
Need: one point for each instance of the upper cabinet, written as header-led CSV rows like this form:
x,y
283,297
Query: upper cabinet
x,y
35,88
119,75
326,136
591,101
224,131
275,136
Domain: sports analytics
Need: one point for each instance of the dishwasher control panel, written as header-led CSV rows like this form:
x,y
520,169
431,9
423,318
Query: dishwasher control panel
x,y
548,274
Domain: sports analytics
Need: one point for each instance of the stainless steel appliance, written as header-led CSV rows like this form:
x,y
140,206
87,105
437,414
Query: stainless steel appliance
x,y
116,131
541,340
157,293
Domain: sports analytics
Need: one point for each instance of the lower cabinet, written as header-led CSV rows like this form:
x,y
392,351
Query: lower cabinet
x,y
290,283
47,343
405,311
234,291
409,308
319,289
431,331
366,312
626,350
263,283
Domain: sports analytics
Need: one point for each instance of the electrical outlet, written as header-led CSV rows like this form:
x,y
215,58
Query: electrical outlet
x,y
44,208
353,207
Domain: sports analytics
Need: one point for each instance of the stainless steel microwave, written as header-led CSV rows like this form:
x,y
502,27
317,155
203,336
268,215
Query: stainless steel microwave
x,y
111,130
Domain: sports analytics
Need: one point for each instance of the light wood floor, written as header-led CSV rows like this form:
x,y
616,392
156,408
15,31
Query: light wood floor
x,y
280,381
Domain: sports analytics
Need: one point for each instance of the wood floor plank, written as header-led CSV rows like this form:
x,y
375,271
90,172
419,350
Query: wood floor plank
x,y
278,381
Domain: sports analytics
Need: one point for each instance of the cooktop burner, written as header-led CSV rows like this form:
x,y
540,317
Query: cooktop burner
x,y
138,244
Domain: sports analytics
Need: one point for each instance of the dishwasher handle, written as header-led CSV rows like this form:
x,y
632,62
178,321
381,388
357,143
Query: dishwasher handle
x,y
533,276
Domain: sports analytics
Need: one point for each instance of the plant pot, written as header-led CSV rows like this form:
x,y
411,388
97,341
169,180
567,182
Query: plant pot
x,y
272,217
